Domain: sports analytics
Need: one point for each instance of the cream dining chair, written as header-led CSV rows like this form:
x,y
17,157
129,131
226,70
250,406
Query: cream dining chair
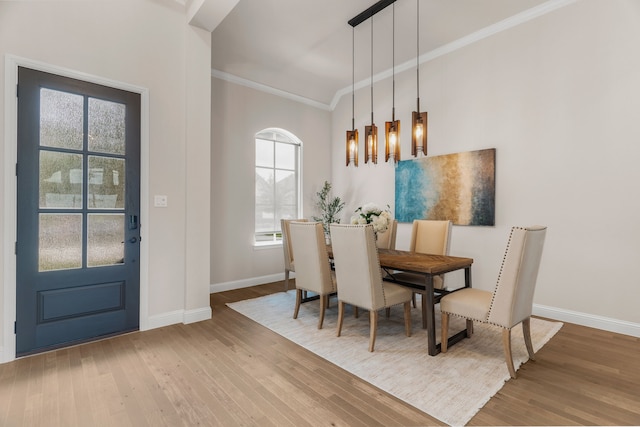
x,y
511,301
387,240
313,270
427,237
288,252
359,280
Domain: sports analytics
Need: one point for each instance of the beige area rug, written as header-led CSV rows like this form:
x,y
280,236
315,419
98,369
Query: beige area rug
x,y
451,387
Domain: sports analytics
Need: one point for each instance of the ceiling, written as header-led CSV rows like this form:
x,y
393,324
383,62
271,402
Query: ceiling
x,y
304,47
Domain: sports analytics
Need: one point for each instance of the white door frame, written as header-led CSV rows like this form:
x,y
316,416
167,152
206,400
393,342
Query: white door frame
x,y
8,348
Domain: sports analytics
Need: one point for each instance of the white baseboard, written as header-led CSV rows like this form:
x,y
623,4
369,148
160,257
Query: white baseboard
x,y
165,319
590,320
197,315
245,283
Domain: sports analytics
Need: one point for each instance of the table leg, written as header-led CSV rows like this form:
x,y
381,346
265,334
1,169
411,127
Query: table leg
x,y
430,315
467,277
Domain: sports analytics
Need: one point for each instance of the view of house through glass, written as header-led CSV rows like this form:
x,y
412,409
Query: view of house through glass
x,y
277,182
75,176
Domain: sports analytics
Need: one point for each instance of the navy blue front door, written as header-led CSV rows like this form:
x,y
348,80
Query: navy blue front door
x,y
78,174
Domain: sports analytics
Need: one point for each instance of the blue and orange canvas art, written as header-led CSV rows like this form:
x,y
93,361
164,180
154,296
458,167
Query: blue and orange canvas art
x,y
459,187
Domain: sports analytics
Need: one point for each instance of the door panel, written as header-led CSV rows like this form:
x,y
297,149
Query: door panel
x,y
78,208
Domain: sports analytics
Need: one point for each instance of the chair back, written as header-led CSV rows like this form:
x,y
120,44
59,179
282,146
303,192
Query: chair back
x,y
286,242
513,295
431,237
313,271
355,256
387,240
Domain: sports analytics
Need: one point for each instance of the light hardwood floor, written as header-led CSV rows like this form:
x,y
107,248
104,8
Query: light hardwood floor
x,y
231,371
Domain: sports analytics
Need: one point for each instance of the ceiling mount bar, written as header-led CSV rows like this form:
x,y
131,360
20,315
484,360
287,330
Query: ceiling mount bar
x,y
363,16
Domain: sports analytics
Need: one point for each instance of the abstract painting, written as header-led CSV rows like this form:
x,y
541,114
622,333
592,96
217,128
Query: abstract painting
x,y
459,187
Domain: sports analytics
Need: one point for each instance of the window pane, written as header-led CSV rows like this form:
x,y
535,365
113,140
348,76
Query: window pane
x,y
264,153
60,119
106,183
286,187
106,126
286,156
105,237
60,180
265,202
60,241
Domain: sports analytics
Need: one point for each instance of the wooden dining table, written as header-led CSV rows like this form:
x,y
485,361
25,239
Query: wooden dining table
x,y
426,266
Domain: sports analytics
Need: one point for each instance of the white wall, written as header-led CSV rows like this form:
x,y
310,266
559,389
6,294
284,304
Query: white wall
x,y
238,113
147,44
559,98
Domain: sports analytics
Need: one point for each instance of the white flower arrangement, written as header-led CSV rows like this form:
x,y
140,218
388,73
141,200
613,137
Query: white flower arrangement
x,y
370,213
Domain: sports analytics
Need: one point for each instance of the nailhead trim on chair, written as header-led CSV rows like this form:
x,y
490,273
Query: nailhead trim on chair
x,y
493,296
504,259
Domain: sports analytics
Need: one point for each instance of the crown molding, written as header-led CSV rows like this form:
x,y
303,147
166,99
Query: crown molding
x,y
482,34
268,89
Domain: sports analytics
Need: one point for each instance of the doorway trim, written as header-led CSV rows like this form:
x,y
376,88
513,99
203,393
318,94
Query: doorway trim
x,y
12,62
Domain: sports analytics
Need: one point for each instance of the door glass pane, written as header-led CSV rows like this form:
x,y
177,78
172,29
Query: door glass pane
x,y
60,180
105,237
106,126
60,241
106,183
60,119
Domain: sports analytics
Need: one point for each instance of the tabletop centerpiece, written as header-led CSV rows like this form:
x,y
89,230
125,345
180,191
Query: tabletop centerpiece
x,y
370,213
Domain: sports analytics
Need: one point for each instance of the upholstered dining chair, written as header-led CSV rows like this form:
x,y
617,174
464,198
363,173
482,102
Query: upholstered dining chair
x,y
313,270
359,280
387,240
286,247
428,237
511,301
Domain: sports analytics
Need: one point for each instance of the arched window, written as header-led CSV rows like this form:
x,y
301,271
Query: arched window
x,y
277,182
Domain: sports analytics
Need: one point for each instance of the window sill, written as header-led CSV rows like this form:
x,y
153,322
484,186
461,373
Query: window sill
x,y
257,246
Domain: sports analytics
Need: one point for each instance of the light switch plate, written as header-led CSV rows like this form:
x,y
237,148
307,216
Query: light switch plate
x,y
160,201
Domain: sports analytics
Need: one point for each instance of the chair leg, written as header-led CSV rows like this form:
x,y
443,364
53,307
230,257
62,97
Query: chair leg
x,y
298,301
444,332
286,280
323,307
526,332
373,328
407,318
469,328
506,344
388,312
340,317
413,299
355,312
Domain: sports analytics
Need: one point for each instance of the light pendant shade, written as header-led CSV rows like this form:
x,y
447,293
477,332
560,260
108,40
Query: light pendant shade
x,y
352,147
418,119
352,135
392,128
371,144
419,133
392,135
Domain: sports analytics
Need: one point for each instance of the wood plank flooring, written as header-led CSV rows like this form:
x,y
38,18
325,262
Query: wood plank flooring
x,y
231,371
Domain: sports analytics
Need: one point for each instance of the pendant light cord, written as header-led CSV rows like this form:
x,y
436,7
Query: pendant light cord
x,y
393,63
353,78
418,55
372,71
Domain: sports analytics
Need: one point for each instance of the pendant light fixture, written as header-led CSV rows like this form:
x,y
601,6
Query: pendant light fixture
x,y
392,128
418,119
371,132
352,135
